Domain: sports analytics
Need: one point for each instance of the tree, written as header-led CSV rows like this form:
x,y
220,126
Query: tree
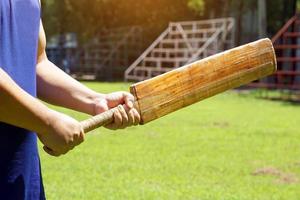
x,y
262,18
87,17
196,5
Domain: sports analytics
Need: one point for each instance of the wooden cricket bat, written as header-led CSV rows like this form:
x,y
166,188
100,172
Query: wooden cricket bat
x,y
184,86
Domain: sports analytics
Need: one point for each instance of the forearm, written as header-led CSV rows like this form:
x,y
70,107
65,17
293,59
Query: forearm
x,y
56,87
21,109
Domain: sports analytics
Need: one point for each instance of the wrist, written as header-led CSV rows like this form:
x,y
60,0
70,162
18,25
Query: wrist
x,y
86,102
96,100
49,116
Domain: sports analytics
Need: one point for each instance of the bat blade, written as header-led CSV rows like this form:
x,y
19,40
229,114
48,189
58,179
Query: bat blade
x,y
187,85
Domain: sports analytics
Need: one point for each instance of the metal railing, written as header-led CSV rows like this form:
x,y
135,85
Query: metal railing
x,y
214,32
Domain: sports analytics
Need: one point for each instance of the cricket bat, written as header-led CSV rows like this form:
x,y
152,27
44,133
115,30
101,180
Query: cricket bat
x,y
181,87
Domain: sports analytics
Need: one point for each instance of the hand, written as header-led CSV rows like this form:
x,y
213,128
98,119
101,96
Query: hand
x,y
124,117
63,135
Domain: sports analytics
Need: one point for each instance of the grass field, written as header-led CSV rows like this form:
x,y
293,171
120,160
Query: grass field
x,y
230,147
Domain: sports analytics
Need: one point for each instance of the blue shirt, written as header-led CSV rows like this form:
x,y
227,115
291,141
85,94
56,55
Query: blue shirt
x,y
20,175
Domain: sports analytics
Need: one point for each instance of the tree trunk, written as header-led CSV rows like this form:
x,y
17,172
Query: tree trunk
x,y
295,6
262,18
225,10
239,30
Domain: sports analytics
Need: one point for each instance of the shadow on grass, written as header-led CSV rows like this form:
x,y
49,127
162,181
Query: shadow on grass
x,y
286,97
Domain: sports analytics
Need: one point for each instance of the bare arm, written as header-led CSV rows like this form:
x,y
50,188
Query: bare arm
x,y
19,108
58,132
56,87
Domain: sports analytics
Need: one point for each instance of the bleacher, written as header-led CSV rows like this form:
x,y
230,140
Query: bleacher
x,y
182,43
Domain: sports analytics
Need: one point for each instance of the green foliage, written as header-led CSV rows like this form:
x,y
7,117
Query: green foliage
x,y
87,17
196,5
206,151
220,8
279,12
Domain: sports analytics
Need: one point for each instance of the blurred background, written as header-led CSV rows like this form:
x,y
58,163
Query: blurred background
x,y
239,145
87,18
101,39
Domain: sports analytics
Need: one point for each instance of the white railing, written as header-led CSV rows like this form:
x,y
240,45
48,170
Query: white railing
x,y
215,32
222,31
114,51
146,52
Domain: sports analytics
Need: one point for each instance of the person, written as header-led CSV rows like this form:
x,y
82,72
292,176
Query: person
x,y
25,75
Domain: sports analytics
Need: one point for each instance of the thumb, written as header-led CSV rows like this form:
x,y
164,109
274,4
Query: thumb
x,y
101,106
129,99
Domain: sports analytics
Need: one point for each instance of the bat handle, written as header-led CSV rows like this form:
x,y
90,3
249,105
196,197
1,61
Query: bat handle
x,y
97,121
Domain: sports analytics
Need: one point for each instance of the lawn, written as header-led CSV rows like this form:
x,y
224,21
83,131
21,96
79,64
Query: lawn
x,y
229,147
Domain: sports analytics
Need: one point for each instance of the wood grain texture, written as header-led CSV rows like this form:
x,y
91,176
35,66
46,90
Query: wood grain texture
x,y
98,120
184,86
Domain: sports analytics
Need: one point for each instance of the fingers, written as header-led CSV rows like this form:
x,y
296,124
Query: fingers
x,y
131,118
119,98
132,113
124,117
117,120
78,139
137,117
64,134
57,153
51,152
120,119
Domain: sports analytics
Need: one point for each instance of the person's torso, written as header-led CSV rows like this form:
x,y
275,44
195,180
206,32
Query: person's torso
x,y
19,161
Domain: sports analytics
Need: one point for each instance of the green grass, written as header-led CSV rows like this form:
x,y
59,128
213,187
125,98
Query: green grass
x,y
206,151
